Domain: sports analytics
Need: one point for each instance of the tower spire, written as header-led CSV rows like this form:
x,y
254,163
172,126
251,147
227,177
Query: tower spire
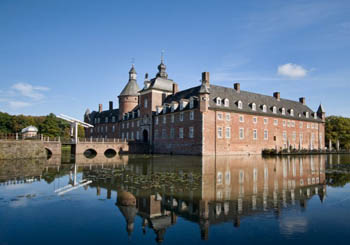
x,y
162,68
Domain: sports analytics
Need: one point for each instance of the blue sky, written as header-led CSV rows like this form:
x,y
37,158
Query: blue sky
x,y
65,56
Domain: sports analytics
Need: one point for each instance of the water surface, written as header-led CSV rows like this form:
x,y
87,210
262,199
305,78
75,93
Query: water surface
x,y
173,199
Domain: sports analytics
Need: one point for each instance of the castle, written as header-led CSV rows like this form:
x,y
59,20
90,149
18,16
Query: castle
x,y
206,119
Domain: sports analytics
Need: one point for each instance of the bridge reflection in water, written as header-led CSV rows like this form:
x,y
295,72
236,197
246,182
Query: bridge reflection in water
x,y
207,190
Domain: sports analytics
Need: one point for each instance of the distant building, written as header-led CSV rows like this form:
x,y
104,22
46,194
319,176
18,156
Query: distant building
x,y
207,119
29,131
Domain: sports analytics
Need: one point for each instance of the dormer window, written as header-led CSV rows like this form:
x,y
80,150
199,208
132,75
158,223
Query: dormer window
x,y
307,114
315,115
240,104
218,101
264,108
181,105
299,115
226,102
292,112
164,109
283,111
191,103
253,106
274,109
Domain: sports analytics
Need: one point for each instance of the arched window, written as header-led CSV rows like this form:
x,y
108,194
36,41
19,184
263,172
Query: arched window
x,y
240,104
218,101
264,108
253,106
283,111
274,109
226,102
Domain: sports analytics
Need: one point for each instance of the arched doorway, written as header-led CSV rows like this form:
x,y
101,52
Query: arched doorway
x,y
145,135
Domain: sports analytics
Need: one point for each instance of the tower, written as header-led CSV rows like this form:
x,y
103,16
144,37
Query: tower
x,y
128,98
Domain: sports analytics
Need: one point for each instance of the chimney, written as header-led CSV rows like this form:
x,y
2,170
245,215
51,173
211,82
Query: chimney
x,y
302,100
99,107
277,95
111,105
205,78
237,87
175,88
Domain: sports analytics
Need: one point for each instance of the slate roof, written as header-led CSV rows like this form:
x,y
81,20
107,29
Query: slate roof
x,y
102,115
160,84
247,99
131,88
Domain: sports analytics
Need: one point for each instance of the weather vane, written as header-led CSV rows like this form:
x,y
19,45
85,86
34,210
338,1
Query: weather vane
x,y
132,61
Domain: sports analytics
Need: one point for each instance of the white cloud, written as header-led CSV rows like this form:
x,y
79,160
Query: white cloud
x,y
18,104
29,90
292,70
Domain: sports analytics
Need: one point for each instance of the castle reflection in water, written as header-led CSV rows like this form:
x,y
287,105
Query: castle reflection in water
x,y
204,190
207,190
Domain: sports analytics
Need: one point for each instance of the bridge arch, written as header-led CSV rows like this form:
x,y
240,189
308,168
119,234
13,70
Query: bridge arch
x,y
90,153
48,152
109,153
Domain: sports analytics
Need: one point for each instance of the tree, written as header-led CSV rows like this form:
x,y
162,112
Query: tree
x,y
338,128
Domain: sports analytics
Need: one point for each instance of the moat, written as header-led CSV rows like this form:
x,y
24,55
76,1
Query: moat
x,y
139,199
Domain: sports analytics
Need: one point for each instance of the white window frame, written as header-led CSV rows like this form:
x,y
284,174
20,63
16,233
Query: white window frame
x,y
264,108
253,106
255,120
181,116
181,133
191,132
228,132
240,104
266,134
255,134
241,118
283,111
241,133
145,103
191,115
218,101
228,116
226,102
275,122
220,115
274,109
219,132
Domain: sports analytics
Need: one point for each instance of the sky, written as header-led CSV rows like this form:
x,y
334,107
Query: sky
x,y
64,56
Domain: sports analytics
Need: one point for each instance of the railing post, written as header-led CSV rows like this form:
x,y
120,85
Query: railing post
x,y
16,136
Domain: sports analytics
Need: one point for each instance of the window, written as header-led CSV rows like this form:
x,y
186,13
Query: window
x,y
172,133
265,121
137,135
307,114
255,120
228,116
164,133
292,112
241,118
315,115
190,132
241,133
240,105
156,120
127,125
288,124
301,138
264,108
138,123
219,132
172,118
275,122
127,135
266,134
283,111
132,124
228,133
255,134
164,119
132,136
191,115
218,101
219,178
284,135
181,133
254,107
219,116
312,125
113,118
301,125
122,135
274,109
181,116
113,128
227,177
191,103
308,125
226,103
294,135
293,124
284,123
145,103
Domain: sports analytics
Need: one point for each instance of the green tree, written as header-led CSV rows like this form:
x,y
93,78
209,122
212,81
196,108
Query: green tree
x,y
338,128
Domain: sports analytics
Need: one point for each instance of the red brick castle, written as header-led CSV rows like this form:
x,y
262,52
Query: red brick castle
x,y
206,119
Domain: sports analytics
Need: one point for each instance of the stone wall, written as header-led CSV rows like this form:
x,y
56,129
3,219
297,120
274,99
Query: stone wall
x,y
20,149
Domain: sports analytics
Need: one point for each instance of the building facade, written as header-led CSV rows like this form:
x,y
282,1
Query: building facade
x,y
207,119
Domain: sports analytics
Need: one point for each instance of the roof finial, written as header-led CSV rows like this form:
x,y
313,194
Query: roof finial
x,y
162,56
132,61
